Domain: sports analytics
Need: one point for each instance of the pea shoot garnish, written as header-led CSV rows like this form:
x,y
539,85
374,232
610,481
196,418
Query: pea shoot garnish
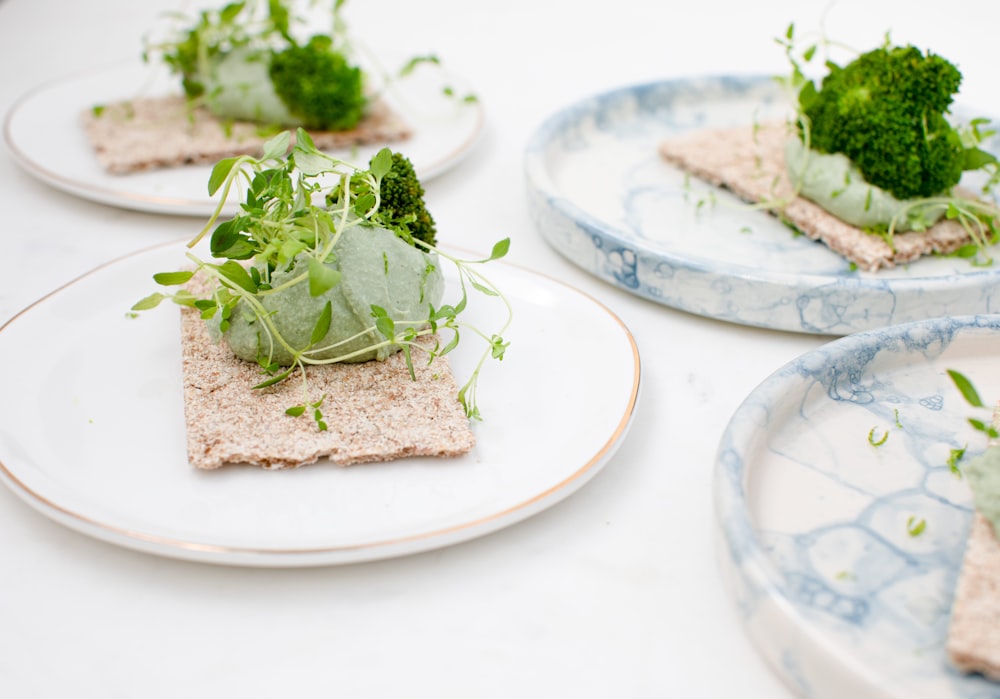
x,y
260,61
327,262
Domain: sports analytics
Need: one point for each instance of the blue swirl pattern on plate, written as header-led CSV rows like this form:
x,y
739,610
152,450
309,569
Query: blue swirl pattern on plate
x,y
600,194
816,512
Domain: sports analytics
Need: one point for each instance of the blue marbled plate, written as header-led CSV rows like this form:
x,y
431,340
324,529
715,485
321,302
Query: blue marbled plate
x,y
600,194
840,598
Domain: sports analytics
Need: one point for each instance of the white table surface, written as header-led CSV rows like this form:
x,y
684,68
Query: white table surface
x,y
614,592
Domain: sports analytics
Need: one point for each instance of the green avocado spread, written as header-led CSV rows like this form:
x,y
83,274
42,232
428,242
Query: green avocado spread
x,y
377,269
833,182
983,475
238,86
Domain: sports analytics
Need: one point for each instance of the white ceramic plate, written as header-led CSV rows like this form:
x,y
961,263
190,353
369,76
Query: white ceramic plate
x,y
601,195
838,595
43,132
92,434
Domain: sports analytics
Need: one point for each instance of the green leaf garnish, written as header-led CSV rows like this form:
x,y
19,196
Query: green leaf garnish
x,y
276,379
151,301
173,278
966,388
322,277
383,323
500,249
277,147
915,527
322,326
971,396
381,163
220,174
984,427
954,456
237,274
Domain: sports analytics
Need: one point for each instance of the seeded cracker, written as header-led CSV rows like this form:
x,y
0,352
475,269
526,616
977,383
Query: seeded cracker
x,y
974,635
973,642
751,163
374,410
152,133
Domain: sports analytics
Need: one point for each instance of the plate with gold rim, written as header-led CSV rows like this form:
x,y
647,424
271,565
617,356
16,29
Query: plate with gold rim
x,y
96,441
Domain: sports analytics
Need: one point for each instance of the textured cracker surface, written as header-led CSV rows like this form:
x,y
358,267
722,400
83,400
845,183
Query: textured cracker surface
x,y
162,132
750,162
374,410
973,643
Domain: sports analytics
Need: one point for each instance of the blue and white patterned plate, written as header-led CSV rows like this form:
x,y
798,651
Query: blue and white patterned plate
x,y
600,194
821,541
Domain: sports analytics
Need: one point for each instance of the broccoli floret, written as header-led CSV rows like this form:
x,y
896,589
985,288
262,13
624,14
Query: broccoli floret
x,y
402,205
319,85
885,111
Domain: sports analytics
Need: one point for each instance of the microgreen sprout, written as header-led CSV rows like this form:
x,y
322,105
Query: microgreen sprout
x,y
296,209
954,456
915,527
877,442
318,79
971,396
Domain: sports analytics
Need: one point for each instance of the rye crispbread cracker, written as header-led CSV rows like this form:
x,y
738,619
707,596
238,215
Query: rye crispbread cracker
x,y
162,132
374,410
750,162
973,643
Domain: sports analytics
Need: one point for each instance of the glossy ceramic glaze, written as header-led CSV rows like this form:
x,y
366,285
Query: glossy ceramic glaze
x,y
600,194
842,523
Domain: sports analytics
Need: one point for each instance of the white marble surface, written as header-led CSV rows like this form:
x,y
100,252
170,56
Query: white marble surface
x,y
614,592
